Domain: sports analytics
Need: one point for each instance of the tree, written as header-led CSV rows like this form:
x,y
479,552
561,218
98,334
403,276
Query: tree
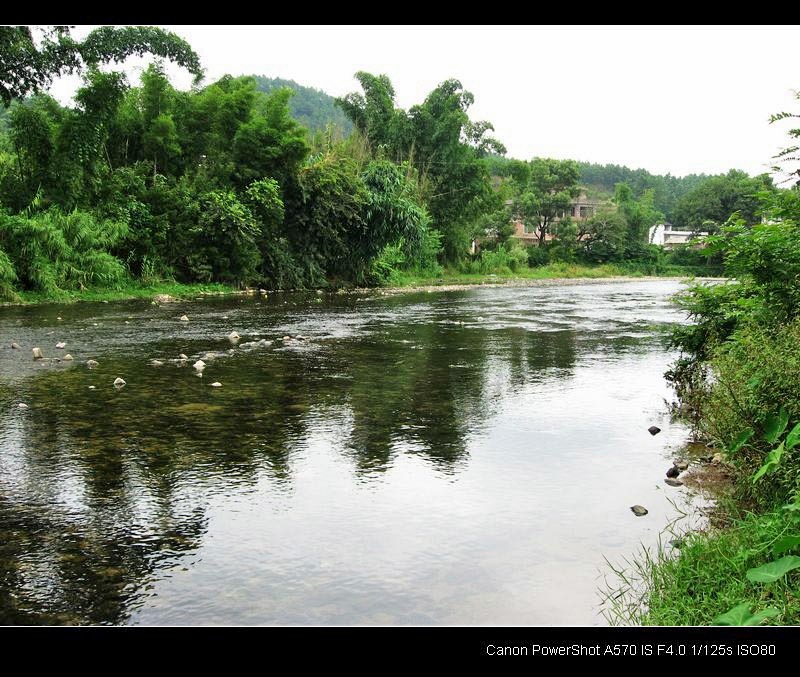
x,y
551,187
788,158
26,67
712,202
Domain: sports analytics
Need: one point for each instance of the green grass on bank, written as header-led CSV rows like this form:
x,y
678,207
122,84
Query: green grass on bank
x,y
551,271
709,578
132,290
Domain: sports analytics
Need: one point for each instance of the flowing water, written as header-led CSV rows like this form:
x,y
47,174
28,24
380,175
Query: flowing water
x,y
457,457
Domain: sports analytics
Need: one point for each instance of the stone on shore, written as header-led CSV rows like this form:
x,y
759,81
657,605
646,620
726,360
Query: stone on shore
x,y
681,465
673,482
673,472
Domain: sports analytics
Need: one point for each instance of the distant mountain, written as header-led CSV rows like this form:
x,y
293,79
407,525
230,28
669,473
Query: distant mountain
x,y
311,107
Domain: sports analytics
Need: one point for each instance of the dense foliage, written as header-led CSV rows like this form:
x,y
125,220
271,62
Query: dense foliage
x,y
311,107
228,184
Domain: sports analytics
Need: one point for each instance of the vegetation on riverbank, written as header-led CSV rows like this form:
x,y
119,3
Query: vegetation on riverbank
x,y
140,183
738,383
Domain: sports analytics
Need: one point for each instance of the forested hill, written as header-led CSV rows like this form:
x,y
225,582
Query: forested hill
x,y
667,189
311,107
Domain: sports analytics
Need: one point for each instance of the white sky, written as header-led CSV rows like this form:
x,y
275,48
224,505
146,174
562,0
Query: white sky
x,y
669,99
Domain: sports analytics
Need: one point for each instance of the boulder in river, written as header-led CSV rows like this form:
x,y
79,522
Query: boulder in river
x,y
216,384
61,345
183,318
92,363
68,358
22,405
673,482
233,337
654,430
156,363
15,345
639,510
118,382
199,365
92,387
37,353
182,356
673,472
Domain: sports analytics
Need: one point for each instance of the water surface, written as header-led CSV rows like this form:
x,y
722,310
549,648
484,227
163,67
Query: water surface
x,y
461,457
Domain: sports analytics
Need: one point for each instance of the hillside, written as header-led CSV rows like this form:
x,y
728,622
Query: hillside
x,y
311,107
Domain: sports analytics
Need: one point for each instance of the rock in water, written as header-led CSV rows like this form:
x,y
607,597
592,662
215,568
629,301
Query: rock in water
x,y
37,353
233,337
639,510
681,465
183,357
156,363
68,358
216,384
654,430
184,318
15,345
118,382
673,472
22,405
673,482
61,345
92,387
92,363
199,365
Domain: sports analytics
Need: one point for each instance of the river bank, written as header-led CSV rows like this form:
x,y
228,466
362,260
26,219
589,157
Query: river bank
x,y
449,281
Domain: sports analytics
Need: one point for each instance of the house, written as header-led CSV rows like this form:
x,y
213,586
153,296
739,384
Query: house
x,y
582,209
667,236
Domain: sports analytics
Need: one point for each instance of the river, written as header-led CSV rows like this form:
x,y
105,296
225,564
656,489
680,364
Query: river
x,y
450,458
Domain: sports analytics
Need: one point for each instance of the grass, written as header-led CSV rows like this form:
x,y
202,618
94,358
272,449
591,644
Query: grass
x,y
549,272
129,290
708,578
133,289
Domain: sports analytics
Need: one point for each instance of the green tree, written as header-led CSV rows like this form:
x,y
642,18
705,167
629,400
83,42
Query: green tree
x,y
548,194
26,67
712,202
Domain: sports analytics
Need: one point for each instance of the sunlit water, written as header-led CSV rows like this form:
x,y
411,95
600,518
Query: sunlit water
x,y
456,458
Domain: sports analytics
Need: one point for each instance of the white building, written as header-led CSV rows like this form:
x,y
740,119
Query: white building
x,y
664,235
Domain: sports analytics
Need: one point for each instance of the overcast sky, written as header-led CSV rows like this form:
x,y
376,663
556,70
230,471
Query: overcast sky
x,y
669,99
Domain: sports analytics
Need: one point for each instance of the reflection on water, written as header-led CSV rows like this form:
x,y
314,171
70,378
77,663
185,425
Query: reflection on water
x,y
449,458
